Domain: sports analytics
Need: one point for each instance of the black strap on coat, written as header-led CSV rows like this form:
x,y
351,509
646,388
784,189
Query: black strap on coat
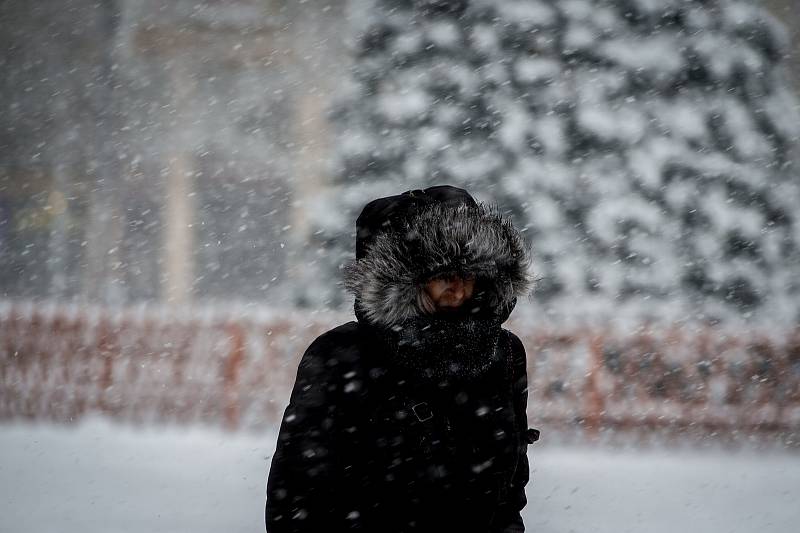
x,y
425,416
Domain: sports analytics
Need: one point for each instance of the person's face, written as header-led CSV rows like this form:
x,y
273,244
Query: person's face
x,y
451,292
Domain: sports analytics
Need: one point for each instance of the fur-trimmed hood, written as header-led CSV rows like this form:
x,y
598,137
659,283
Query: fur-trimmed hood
x,y
438,238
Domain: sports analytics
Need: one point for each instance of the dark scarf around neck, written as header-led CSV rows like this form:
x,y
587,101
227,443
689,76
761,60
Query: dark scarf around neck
x,y
453,346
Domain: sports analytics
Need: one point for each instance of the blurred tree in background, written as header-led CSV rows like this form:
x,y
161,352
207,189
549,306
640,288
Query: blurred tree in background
x,y
645,146
179,151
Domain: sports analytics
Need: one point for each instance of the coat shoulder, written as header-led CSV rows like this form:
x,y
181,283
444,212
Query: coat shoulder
x,y
326,361
342,336
342,344
515,343
518,355
341,331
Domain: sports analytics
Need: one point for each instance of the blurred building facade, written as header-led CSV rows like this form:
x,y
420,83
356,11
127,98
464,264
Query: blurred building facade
x,y
154,150
160,150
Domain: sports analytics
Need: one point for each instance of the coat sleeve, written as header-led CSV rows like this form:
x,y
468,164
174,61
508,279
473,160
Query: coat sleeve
x,y
509,517
302,476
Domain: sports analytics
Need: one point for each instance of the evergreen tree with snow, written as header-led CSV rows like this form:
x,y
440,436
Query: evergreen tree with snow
x,y
645,145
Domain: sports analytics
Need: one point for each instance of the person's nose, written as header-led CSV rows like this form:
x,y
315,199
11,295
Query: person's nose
x,y
457,289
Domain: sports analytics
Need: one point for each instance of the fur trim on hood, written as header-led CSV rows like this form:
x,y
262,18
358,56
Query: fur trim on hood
x,y
438,240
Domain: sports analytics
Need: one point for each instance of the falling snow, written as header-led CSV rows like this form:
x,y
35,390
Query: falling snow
x,y
179,182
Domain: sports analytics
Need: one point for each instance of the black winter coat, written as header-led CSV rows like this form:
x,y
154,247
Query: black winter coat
x,y
406,421
365,447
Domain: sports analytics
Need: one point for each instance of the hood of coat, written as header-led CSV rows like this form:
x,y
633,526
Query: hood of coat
x,y
432,239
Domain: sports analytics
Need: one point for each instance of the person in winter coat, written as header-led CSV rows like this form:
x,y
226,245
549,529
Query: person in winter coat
x,y
412,418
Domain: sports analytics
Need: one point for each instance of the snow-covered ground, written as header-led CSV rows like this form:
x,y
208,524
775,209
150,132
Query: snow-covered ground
x,y
101,477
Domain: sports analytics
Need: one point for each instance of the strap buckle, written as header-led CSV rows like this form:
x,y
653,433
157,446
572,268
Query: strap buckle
x,y
422,411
